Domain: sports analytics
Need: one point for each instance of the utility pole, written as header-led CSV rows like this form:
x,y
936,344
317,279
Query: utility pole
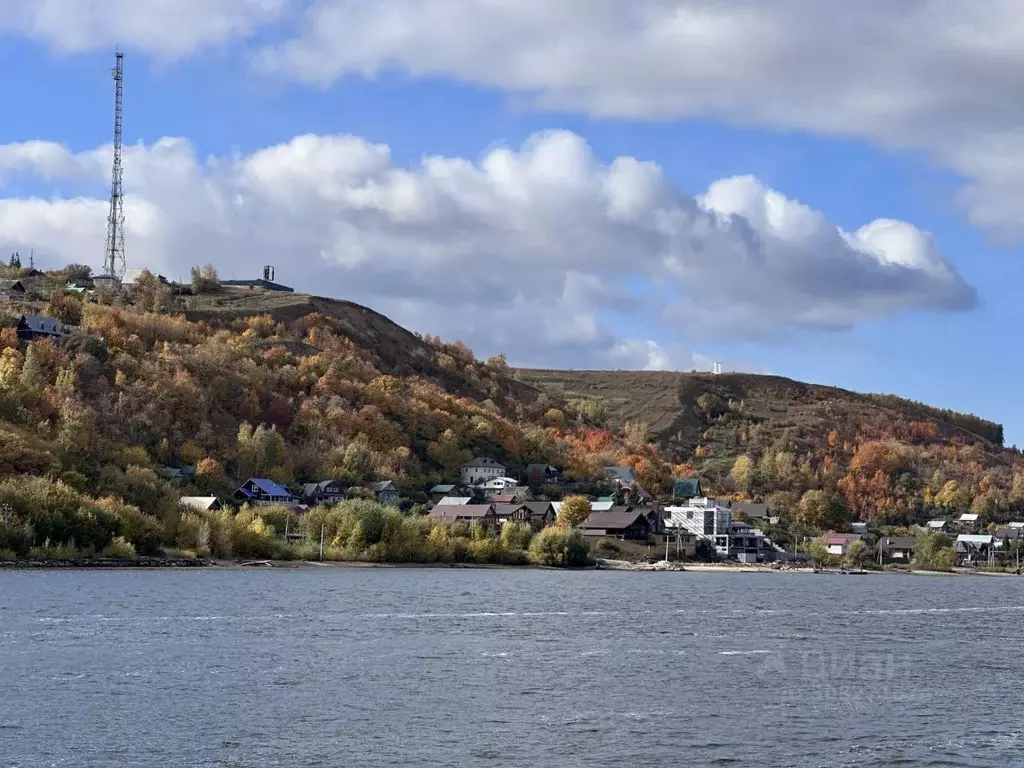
x,y
321,543
114,260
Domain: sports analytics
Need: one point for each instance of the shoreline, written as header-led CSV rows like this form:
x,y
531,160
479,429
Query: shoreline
x,y
621,566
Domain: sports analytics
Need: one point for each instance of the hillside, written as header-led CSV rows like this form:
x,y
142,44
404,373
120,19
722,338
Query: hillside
x,y
752,436
299,389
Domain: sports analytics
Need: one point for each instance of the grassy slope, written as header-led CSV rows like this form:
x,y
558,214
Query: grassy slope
x,y
667,402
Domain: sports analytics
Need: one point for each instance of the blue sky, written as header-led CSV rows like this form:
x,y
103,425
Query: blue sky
x,y
454,251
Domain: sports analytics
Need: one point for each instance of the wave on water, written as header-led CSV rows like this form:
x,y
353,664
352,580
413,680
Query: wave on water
x,y
744,653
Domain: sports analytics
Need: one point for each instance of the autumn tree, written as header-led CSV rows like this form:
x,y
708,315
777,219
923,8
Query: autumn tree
x,y
742,472
205,279
822,511
574,511
448,452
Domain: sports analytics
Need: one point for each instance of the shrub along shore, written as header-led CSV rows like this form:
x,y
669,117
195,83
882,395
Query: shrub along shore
x,y
44,522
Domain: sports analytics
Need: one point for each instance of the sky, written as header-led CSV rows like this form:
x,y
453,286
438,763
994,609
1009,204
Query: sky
x,y
829,191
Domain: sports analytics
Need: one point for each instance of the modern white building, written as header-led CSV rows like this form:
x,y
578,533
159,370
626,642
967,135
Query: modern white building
x,y
708,518
711,520
498,484
480,470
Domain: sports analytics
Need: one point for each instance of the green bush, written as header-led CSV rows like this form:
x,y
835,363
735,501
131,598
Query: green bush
x,y
560,548
119,548
516,535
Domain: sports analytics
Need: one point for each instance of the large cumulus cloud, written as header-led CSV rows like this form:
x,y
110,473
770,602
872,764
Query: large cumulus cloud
x,y
541,251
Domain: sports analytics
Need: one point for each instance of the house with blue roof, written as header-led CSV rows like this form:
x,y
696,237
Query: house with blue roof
x,y
261,490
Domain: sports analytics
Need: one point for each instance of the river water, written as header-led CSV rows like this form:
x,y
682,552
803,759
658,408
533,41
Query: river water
x,y
388,667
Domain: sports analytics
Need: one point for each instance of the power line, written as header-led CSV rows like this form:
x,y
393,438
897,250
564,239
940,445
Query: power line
x,y
114,262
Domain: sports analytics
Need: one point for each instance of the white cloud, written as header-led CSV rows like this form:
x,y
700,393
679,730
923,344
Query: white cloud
x,y
935,75
541,251
169,28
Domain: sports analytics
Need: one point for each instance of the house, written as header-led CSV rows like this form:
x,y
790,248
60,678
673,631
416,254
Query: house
x,y
454,501
861,528
106,282
968,522
542,474
1006,534
705,517
896,549
386,491
201,503
620,523
32,327
839,543
684,542
686,488
1016,525
749,545
498,484
438,492
484,514
10,289
974,549
537,513
620,475
937,526
260,490
326,492
177,475
480,470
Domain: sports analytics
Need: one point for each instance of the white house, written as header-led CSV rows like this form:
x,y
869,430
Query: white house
x,y
499,484
707,518
480,470
936,525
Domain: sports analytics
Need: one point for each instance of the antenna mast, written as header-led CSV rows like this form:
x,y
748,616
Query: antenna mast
x,y
114,261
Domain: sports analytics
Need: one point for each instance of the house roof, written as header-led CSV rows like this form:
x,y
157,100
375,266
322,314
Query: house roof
x,y
268,486
898,542
468,511
504,498
481,461
442,489
539,507
1017,525
12,285
613,520
384,485
311,488
454,501
974,538
968,518
687,488
751,509
40,324
620,474
936,523
198,502
1008,532
843,538
540,468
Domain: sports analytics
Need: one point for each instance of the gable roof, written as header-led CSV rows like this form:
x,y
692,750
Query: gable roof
x,y
613,520
966,517
481,461
974,538
468,511
40,324
12,285
442,489
936,523
751,509
384,485
504,498
202,503
266,485
687,488
843,538
309,489
454,501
